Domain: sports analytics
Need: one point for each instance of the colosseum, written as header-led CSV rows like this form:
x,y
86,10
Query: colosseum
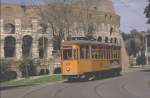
x,y
22,33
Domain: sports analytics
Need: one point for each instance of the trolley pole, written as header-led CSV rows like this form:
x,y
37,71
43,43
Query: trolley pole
x,y
146,51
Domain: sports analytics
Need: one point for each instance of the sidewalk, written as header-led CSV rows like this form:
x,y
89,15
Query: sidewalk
x,y
136,69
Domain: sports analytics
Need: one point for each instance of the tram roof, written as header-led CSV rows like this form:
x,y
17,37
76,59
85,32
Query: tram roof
x,y
85,42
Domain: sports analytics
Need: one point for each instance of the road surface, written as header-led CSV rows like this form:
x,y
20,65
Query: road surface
x,y
129,85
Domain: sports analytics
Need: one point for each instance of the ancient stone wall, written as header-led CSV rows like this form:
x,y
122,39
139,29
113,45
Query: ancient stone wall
x,y
22,26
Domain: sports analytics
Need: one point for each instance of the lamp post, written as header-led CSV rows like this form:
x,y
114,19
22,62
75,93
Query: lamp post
x,y
146,50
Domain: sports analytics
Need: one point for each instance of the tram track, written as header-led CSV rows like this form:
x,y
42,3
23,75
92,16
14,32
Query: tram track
x,y
36,89
60,89
131,85
124,90
56,94
96,90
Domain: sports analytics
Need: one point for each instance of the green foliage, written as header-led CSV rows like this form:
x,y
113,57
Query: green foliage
x,y
133,46
4,66
135,41
148,49
147,12
141,59
28,66
56,42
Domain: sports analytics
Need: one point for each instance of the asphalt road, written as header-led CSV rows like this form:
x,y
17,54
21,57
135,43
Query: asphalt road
x,y
129,85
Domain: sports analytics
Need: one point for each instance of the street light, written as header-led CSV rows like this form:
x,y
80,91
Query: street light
x,y
146,50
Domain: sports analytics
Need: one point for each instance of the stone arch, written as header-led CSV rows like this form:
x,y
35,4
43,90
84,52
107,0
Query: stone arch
x,y
9,28
27,46
9,47
43,47
106,39
44,71
111,40
115,40
99,39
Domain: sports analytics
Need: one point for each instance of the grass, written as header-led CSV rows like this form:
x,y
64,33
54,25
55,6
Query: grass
x,y
33,80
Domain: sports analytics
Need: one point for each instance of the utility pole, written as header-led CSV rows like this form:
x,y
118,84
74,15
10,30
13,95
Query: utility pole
x,y
146,51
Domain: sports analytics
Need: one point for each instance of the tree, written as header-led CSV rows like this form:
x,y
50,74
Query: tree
x,y
147,12
133,46
141,60
65,19
134,41
59,16
125,36
28,66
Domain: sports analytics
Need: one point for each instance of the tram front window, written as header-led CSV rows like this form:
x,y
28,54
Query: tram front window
x,y
67,54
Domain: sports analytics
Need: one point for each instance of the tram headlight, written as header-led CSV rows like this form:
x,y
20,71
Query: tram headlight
x,y
67,69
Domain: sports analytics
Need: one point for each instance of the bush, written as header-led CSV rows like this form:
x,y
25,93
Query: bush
x,y
9,75
141,60
4,66
27,67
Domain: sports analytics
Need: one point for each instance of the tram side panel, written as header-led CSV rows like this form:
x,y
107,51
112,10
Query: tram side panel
x,y
84,66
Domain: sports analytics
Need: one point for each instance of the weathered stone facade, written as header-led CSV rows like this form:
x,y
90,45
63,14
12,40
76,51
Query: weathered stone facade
x,y
22,26
22,34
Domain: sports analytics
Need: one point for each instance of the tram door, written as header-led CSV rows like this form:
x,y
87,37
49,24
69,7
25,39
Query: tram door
x,y
70,60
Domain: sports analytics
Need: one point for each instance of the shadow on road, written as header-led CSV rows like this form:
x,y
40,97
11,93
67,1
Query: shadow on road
x,y
13,87
102,78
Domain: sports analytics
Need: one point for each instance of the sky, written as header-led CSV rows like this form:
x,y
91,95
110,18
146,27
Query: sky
x,y
131,13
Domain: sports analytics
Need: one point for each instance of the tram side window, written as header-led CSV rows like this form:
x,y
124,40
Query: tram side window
x,y
84,52
101,54
67,54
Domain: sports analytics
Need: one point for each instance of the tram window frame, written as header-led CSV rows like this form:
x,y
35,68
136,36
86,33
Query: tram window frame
x,y
105,53
109,52
68,57
84,54
95,52
114,52
101,54
75,54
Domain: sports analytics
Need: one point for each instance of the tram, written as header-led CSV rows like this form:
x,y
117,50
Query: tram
x,y
87,60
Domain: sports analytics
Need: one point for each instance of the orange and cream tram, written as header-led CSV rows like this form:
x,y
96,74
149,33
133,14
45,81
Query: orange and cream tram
x,y
85,59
